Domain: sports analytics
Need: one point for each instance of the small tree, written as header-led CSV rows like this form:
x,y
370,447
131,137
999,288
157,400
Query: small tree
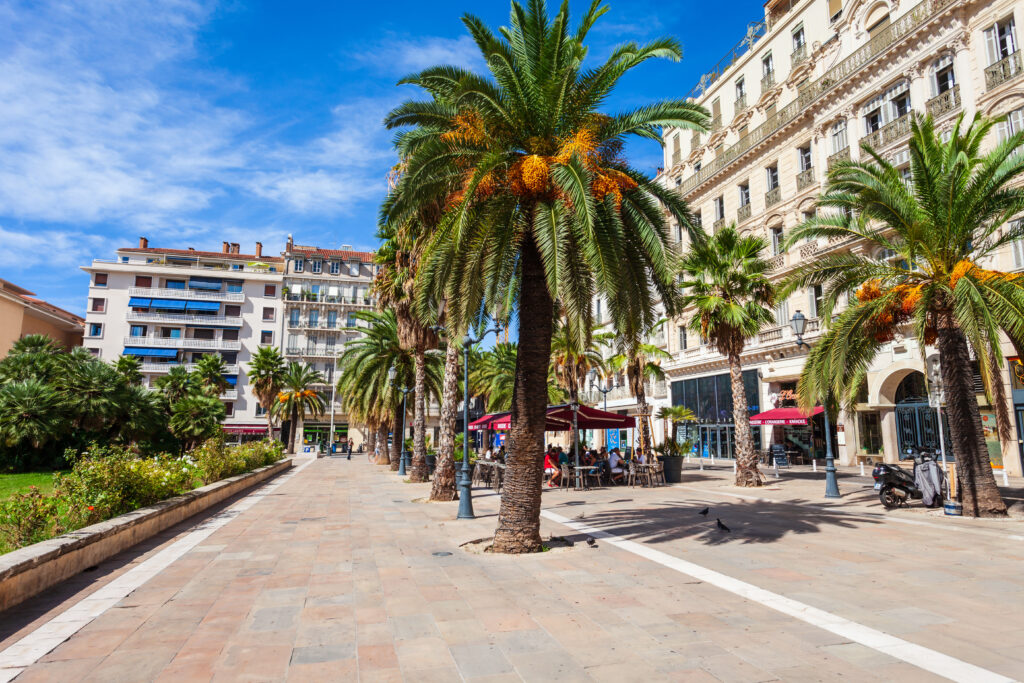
x,y
266,374
196,418
296,400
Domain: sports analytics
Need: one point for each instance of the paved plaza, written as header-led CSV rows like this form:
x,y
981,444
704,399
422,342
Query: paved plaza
x,y
334,572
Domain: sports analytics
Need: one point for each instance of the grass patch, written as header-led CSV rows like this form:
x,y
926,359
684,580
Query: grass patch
x,y
19,483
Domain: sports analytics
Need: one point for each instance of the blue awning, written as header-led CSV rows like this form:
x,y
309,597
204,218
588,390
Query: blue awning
x,y
231,379
168,304
202,306
152,353
197,282
139,302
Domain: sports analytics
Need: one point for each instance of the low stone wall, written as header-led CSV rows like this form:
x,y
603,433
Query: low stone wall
x,y
30,570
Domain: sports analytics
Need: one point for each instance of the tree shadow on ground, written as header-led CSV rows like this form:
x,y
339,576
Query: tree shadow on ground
x,y
749,522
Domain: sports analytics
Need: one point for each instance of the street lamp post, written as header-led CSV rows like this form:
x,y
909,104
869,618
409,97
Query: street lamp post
x,y
604,392
799,325
465,482
392,373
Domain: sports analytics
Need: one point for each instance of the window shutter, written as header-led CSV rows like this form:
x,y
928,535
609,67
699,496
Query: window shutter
x,y
716,108
992,45
1018,254
811,308
834,6
1011,37
1015,121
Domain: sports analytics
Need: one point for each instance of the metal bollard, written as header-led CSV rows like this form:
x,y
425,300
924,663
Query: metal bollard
x,y
814,464
1006,477
862,468
734,466
776,470
702,464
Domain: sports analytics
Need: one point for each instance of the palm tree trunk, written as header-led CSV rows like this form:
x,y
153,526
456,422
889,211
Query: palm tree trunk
x,y
291,424
519,515
381,456
419,424
270,425
371,438
747,473
395,452
297,440
444,474
979,494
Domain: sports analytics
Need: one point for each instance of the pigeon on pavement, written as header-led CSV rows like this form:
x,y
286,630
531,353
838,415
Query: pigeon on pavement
x,y
721,526
591,542
704,512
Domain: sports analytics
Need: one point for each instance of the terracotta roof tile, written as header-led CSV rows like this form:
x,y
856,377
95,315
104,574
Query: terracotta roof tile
x,y
365,256
67,315
203,254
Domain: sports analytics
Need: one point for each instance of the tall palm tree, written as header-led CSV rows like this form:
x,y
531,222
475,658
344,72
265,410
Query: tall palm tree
x,y
130,368
296,400
725,280
177,384
949,218
31,414
443,487
641,362
209,373
574,355
266,373
493,376
547,208
195,418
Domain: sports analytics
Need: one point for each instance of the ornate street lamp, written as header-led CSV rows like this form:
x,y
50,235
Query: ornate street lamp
x,y
799,325
403,457
597,387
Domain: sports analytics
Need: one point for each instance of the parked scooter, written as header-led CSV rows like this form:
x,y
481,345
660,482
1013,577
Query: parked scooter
x,y
897,487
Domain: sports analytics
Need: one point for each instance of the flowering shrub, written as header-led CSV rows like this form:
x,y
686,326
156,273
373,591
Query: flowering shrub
x,y
108,481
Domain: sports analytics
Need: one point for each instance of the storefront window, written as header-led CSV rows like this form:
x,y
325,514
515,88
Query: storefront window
x,y
869,427
988,428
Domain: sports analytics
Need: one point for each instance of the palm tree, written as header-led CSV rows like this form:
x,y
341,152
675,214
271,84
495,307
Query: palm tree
x,y
94,395
296,400
196,418
725,280
641,362
130,368
145,414
266,373
209,373
573,356
31,414
948,218
177,384
443,488
493,376
36,343
675,415
546,209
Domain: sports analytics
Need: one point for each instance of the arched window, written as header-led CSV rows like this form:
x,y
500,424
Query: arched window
x,y
877,20
943,76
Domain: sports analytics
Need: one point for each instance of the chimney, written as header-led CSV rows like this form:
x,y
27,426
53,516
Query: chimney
x,y
191,248
143,243
259,249
290,243
234,248
225,247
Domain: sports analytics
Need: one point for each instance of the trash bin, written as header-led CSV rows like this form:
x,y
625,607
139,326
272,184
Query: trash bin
x,y
673,468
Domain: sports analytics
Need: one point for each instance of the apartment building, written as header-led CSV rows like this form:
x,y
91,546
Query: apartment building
x,y
22,314
170,307
322,290
803,89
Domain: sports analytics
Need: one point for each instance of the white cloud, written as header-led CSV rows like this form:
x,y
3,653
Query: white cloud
x,y
25,250
400,55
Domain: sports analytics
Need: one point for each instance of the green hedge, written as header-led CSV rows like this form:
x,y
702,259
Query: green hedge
x,y
108,481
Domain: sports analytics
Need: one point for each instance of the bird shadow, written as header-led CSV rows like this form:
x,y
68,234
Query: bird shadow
x,y
749,522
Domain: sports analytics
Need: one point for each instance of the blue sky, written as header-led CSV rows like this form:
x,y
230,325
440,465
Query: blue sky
x,y
194,122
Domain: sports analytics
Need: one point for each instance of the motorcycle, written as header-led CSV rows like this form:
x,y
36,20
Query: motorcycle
x,y
896,486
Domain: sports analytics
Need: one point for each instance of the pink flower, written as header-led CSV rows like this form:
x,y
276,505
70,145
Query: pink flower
x,y
91,508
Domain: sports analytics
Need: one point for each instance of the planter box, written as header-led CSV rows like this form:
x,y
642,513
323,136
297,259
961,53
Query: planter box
x,y
30,570
673,468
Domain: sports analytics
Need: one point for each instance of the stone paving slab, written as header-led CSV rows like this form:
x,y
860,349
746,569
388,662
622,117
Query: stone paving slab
x,y
334,577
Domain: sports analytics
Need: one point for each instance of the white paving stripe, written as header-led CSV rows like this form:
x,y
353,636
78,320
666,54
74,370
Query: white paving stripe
x,y
921,657
35,645
952,526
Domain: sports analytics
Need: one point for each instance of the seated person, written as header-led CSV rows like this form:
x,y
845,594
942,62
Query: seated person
x,y
563,457
551,469
500,457
615,465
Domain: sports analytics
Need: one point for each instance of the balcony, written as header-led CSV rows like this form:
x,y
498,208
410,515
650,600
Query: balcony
x,y
772,197
184,343
799,55
945,103
743,213
841,155
777,262
739,105
718,225
808,250
891,132
716,123
229,395
767,81
694,140
185,319
187,294
1003,71
157,368
804,179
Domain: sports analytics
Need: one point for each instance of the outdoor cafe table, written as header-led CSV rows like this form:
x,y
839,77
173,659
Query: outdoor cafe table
x,y
579,476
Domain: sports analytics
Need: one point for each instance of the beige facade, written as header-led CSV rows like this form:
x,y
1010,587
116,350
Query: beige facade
x,y
807,87
21,314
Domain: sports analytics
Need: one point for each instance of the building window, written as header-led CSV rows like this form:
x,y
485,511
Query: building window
x,y
95,329
887,107
719,208
1018,246
696,167
799,39
298,265
137,331
814,295
235,286
697,220
270,290
870,428
229,409
943,76
99,305
782,313
95,352
314,318
293,317
772,176
174,284
268,313
839,140
744,194
335,267
879,26
316,266
835,10
767,66
777,239
351,319
229,335
232,310
682,338
260,411
677,152
143,281
99,280
266,337
1000,41
1011,125
353,268
804,155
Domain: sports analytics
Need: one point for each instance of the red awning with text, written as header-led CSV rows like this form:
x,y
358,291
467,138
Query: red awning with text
x,y
784,416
